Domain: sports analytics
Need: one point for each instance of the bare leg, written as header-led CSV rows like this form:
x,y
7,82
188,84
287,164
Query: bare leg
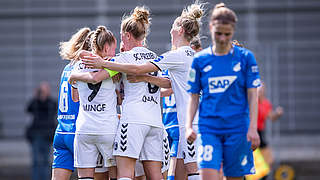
x,y
125,167
152,170
209,174
180,173
172,167
112,172
101,176
234,178
61,174
85,172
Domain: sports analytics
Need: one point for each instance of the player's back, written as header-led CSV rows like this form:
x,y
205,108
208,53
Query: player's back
x,y
68,109
141,103
97,112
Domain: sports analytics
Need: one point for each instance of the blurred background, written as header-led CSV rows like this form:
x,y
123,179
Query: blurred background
x,y
283,34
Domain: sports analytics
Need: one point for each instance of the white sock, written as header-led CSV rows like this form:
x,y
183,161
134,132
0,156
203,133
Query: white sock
x,y
124,178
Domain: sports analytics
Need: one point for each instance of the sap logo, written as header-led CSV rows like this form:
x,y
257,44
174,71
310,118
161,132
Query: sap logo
x,y
207,68
220,84
158,59
237,67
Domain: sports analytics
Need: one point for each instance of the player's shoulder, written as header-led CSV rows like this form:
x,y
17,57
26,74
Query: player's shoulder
x,y
243,51
204,53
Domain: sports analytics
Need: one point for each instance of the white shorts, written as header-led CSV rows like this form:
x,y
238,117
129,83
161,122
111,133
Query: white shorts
x,y
139,171
100,167
138,141
166,152
186,150
88,146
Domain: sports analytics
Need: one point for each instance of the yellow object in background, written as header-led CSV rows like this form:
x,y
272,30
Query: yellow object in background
x,y
262,168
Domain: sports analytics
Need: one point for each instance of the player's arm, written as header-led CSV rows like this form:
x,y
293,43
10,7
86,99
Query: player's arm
x,y
253,115
191,112
166,92
94,61
89,77
274,115
74,94
162,82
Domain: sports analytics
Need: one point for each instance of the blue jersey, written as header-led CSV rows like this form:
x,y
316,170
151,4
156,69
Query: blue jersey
x,y
169,118
67,109
169,112
224,81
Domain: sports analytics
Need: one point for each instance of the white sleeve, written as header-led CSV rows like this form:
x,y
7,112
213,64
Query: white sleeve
x,y
169,60
121,58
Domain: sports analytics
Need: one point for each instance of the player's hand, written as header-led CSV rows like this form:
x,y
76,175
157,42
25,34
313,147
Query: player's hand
x,y
254,138
71,80
93,61
190,135
279,111
83,53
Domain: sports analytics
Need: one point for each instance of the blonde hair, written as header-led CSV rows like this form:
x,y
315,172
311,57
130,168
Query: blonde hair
x,y
100,37
137,23
190,20
222,14
69,49
196,43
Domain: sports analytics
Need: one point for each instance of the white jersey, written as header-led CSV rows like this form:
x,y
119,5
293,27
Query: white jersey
x,y
97,111
141,104
178,63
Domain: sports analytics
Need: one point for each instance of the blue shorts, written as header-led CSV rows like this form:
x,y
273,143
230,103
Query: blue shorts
x,y
173,137
63,151
232,149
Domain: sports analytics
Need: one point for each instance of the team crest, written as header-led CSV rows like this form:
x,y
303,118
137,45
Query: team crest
x,y
207,68
237,67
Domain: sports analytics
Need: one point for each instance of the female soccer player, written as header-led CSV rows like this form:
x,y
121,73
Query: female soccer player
x,y
183,30
63,159
228,77
97,120
140,131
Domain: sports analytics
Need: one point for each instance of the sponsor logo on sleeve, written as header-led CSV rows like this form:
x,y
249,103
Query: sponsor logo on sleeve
x,y
254,69
220,84
192,75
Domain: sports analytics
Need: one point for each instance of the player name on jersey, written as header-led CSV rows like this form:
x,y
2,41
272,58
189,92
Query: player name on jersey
x,y
66,116
94,107
149,99
144,56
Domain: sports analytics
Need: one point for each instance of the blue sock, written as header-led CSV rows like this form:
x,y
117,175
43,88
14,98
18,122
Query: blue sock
x,y
170,178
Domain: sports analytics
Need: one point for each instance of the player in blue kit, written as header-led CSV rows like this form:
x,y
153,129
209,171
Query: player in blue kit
x,y
62,165
228,77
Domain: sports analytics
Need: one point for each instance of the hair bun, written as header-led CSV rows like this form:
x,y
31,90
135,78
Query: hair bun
x,y
220,5
141,14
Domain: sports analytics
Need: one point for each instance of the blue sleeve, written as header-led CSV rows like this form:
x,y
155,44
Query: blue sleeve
x,y
252,72
194,78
